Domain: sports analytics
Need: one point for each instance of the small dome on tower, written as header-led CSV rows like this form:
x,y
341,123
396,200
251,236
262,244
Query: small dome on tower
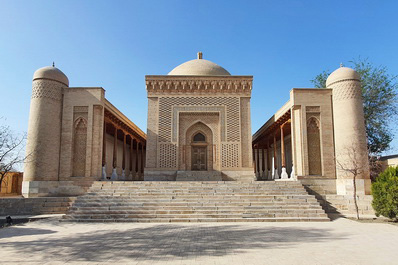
x,y
199,67
342,73
51,73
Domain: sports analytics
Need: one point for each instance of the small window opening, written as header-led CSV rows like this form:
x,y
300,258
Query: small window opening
x,y
199,138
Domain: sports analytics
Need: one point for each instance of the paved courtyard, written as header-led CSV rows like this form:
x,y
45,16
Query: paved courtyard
x,y
339,242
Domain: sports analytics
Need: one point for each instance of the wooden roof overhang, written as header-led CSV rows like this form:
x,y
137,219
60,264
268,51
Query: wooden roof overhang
x,y
270,128
114,117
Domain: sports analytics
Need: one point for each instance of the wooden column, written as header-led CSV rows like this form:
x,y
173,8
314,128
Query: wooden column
x,y
263,159
131,155
283,147
254,159
115,150
136,158
142,158
258,159
268,156
275,155
124,152
104,146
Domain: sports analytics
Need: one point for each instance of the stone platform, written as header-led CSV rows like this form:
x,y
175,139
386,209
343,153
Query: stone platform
x,y
186,201
199,176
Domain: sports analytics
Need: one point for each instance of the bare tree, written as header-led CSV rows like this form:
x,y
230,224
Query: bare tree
x,y
351,162
11,149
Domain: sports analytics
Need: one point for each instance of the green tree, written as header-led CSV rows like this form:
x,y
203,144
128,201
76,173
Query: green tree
x,y
379,91
385,193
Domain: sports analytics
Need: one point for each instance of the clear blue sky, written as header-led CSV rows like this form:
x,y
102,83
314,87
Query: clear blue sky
x,y
114,44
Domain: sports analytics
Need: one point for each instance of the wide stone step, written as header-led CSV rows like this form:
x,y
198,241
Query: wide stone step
x,y
193,188
198,204
113,195
195,215
202,186
266,196
226,187
131,194
195,203
199,200
188,208
199,220
176,212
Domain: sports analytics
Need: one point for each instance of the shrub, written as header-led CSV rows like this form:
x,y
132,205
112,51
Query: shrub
x,y
385,193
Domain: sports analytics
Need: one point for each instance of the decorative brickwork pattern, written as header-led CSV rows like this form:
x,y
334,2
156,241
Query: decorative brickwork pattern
x,y
314,146
313,109
187,119
230,155
47,89
167,155
169,84
232,110
79,148
346,90
195,113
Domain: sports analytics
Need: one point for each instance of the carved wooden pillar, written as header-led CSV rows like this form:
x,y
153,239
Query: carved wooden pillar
x,y
142,158
124,157
104,152
254,159
114,162
258,161
131,158
269,159
263,159
283,158
276,175
136,158
284,174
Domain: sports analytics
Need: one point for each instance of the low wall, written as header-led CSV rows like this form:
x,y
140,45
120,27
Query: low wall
x,y
325,192
34,206
55,188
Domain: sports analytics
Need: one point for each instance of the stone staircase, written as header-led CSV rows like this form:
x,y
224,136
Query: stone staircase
x,y
195,201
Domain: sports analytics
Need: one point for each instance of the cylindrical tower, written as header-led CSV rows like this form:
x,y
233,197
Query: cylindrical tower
x,y
44,130
349,131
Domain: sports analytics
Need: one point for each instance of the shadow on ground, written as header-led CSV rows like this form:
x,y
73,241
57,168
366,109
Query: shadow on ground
x,y
163,241
19,230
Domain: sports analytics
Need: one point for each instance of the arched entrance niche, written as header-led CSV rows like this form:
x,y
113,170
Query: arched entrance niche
x,y
314,146
199,148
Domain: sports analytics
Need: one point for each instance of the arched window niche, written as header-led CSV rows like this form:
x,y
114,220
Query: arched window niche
x,y
314,146
79,147
199,138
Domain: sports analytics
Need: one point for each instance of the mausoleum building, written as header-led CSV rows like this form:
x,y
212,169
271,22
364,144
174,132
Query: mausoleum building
x,y
199,124
198,129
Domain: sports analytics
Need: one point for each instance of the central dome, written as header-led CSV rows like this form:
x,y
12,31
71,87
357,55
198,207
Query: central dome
x,y
199,67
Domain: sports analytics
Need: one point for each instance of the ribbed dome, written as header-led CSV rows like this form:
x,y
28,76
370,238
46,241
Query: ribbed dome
x,y
199,67
342,73
51,73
